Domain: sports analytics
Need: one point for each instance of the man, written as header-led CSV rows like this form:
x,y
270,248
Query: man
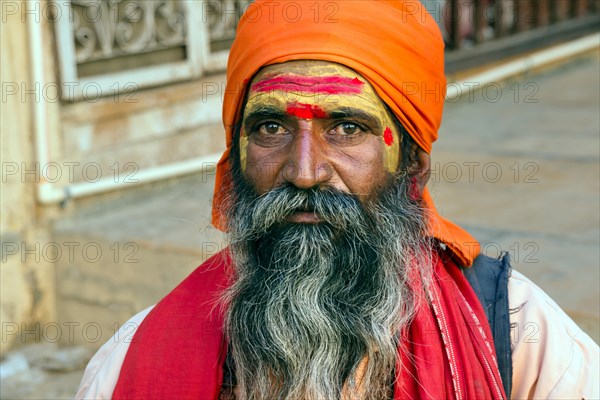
x,y
341,281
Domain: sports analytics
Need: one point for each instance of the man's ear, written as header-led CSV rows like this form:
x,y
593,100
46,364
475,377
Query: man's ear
x,y
422,169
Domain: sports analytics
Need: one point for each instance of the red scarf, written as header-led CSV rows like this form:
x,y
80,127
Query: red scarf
x,y
179,349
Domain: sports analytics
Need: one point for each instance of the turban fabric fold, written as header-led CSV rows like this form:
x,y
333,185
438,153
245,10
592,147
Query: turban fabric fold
x,y
395,45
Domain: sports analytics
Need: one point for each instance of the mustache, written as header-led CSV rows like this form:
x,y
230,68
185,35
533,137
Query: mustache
x,y
310,301
337,209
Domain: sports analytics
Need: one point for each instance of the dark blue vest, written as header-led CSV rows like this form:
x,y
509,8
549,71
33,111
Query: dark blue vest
x,y
489,279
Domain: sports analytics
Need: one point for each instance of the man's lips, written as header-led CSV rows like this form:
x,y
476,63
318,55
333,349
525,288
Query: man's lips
x,y
304,217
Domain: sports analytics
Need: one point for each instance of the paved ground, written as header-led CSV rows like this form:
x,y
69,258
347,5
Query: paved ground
x,y
521,172
519,167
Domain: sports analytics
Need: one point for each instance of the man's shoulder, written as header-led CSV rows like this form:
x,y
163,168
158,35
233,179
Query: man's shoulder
x,y
189,309
552,356
213,274
534,310
102,372
529,302
196,298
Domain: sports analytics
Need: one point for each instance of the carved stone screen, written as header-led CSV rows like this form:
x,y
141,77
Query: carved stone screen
x,y
112,36
127,44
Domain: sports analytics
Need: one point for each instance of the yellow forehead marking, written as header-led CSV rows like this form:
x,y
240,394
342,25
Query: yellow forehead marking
x,y
392,148
243,150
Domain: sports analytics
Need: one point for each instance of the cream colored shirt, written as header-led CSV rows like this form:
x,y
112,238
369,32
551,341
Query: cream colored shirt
x,y
552,357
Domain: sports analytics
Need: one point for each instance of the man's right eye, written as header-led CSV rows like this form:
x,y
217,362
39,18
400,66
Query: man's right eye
x,y
271,128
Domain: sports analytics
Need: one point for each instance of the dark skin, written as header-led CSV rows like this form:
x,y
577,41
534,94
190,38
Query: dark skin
x,y
347,141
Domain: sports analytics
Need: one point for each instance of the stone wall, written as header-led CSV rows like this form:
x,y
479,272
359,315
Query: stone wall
x,y
115,137
26,279
129,133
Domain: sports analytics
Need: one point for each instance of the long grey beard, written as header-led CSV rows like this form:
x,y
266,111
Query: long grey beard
x,y
310,301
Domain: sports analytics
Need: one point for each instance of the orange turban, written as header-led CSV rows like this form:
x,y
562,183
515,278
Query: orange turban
x,y
395,45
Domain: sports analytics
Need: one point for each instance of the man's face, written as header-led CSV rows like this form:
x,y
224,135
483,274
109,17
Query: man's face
x,y
316,124
324,236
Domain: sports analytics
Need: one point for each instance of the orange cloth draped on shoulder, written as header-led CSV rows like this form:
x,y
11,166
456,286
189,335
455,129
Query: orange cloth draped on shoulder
x,y
395,45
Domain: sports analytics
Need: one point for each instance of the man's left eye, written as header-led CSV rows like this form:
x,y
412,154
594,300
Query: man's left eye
x,y
347,128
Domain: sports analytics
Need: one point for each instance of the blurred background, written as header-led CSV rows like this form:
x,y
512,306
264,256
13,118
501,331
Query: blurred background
x,y
110,134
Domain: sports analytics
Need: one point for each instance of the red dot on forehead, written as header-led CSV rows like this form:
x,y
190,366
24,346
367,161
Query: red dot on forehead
x,y
305,111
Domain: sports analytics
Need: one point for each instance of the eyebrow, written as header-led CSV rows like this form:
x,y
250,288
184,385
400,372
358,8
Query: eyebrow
x,y
350,112
331,84
339,114
263,112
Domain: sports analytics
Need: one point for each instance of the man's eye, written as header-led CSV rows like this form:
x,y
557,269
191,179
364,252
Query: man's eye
x,y
347,128
271,128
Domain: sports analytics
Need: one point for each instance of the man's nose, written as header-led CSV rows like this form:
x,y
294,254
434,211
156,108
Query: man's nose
x,y
307,164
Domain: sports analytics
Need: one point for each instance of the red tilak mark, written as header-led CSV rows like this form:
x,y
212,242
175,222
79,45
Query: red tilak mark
x,y
305,111
310,84
388,137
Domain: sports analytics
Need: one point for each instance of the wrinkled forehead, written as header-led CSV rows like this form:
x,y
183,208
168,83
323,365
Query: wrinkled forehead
x,y
304,68
317,81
